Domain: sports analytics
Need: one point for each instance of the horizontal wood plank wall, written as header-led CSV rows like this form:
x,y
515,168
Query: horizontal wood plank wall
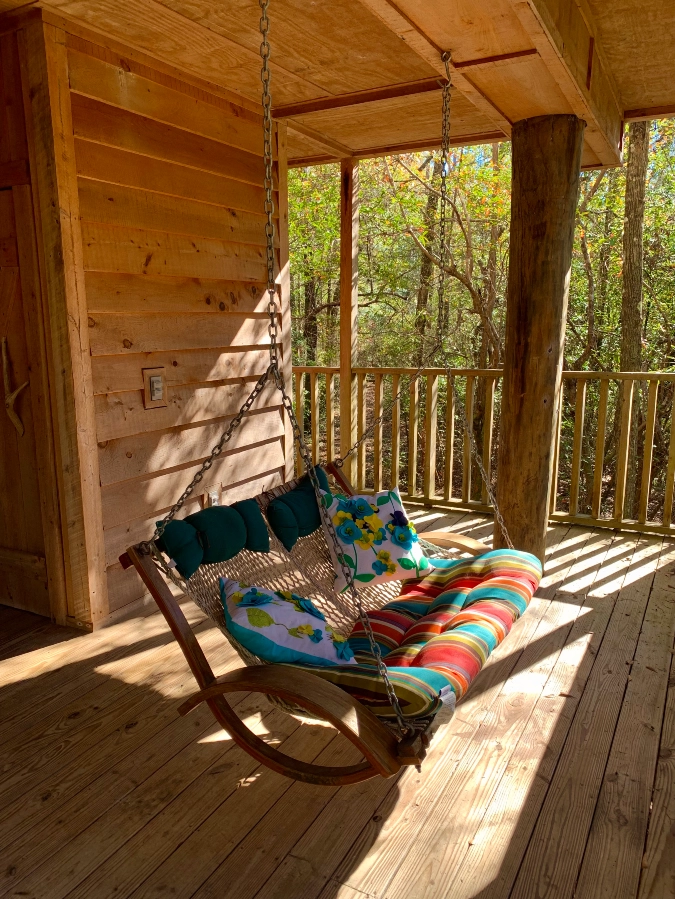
x,y
170,190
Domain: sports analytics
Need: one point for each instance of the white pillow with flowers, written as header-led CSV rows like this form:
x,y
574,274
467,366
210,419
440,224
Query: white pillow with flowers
x,y
377,541
281,627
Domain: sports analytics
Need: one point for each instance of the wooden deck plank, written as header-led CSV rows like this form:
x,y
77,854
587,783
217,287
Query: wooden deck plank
x,y
613,858
554,856
41,788
248,867
194,861
658,875
162,735
440,845
142,808
64,870
76,676
493,856
377,851
135,858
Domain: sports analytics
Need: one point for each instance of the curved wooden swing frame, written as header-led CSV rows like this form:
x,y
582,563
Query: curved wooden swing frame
x,y
384,754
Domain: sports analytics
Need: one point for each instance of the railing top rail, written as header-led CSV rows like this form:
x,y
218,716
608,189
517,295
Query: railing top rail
x,y
485,373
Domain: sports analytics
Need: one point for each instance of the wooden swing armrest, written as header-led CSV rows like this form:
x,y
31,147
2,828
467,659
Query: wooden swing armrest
x,y
319,697
447,540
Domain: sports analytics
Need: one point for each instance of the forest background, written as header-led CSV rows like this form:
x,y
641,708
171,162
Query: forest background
x,y
621,311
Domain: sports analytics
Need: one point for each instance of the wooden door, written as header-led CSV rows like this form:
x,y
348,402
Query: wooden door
x,y
23,570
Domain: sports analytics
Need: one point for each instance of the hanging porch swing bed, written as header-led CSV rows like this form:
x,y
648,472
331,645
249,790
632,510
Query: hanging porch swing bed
x,y
380,655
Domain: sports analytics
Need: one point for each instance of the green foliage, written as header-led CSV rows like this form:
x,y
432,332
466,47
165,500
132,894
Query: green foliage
x,y
394,196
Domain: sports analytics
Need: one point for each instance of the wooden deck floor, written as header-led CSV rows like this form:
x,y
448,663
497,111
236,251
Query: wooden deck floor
x,y
556,777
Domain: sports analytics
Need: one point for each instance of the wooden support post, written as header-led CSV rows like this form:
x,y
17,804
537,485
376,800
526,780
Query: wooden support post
x,y
44,63
413,428
360,428
430,437
600,449
330,417
314,423
377,434
395,431
546,164
670,472
648,452
299,415
449,438
553,493
349,306
628,387
488,422
579,417
466,461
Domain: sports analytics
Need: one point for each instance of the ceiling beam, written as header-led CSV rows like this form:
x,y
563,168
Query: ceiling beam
x,y
335,148
645,113
392,91
467,140
354,99
568,47
398,22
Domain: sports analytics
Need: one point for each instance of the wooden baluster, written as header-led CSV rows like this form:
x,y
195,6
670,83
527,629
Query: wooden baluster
x,y
361,427
430,438
314,422
600,448
330,417
577,446
670,471
299,415
553,495
488,423
624,446
377,434
413,427
648,450
395,431
466,474
449,438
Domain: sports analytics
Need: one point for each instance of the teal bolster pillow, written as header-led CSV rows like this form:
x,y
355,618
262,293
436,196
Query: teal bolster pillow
x,y
296,514
257,535
180,543
283,523
221,532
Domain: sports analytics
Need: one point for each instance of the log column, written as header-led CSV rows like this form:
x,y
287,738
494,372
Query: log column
x,y
349,306
546,153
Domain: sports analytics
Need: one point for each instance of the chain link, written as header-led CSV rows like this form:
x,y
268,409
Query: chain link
x,y
268,155
459,405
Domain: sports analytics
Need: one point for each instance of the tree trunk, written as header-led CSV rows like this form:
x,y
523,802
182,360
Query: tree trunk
x,y
426,270
546,162
631,299
310,327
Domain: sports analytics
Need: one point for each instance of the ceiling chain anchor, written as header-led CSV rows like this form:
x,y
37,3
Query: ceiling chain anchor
x,y
10,395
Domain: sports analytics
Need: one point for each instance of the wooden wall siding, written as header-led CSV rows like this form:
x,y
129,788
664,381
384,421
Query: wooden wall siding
x,y
169,185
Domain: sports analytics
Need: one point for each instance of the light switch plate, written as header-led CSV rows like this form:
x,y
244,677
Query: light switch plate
x,y
151,388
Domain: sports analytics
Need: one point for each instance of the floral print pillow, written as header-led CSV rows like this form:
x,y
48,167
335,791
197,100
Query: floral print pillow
x,y
377,541
281,627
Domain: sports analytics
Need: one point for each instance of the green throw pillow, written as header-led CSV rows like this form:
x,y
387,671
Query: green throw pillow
x,y
257,535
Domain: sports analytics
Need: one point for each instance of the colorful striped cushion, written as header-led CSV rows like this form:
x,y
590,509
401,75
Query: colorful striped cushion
x,y
389,628
421,692
471,603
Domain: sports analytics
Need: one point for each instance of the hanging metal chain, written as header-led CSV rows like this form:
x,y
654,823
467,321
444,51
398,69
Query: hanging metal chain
x,y
443,216
459,405
404,728
268,156
213,455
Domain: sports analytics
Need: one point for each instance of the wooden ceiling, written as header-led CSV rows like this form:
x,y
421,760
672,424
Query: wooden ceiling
x,y
361,77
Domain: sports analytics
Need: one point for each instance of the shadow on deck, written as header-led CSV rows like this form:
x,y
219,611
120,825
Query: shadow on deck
x,y
555,777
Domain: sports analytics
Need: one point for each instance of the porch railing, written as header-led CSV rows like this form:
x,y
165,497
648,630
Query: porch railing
x,y
606,473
